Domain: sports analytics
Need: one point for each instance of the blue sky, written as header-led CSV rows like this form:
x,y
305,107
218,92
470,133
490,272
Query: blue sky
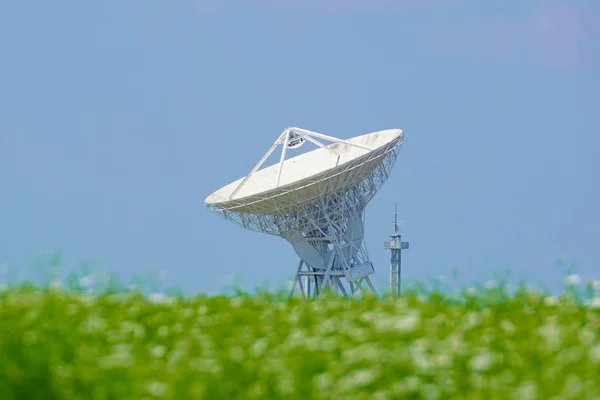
x,y
117,119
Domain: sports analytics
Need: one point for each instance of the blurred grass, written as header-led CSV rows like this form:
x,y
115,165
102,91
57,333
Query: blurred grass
x,y
86,339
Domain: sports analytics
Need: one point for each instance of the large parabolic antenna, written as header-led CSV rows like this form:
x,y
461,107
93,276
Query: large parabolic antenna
x,y
316,201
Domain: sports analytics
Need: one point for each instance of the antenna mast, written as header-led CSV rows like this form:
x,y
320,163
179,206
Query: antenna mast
x,y
396,219
395,245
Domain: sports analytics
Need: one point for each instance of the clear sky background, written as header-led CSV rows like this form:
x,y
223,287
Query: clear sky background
x,y
118,118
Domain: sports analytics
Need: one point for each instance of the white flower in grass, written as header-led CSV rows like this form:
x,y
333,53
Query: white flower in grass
x,y
55,284
593,283
593,303
470,291
482,362
508,327
532,290
572,280
408,323
157,388
236,302
158,351
86,281
323,381
358,379
490,285
526,391
160,298
594,354
551,301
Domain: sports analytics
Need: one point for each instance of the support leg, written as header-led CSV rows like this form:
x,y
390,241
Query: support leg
x,y
328,269
341,287
297,279
371,286
358,289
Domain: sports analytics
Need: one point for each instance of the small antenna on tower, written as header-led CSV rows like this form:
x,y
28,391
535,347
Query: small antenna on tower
x,y
395,221
395,245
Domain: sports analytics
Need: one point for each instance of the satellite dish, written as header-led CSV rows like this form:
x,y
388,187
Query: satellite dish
x,y
316,201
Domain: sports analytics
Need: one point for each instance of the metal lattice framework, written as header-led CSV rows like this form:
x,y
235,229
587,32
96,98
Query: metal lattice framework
x,y
322,215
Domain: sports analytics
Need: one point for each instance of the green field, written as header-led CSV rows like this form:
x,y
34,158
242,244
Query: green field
x,y
476,344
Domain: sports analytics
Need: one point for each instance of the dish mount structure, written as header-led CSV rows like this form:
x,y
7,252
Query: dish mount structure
x,y
316,201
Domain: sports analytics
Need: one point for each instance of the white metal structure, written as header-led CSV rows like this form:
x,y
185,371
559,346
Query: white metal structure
x,y
316,201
